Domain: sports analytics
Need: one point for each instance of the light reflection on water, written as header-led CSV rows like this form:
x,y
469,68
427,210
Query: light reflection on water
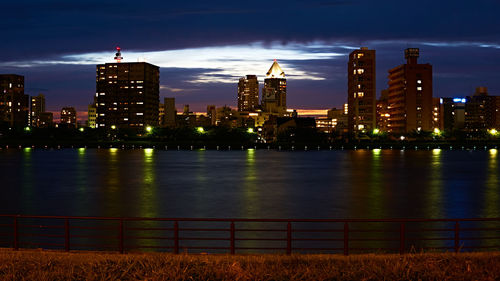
x,y
251,184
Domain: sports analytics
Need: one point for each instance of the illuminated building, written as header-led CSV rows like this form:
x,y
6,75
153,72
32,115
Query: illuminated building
x,y
453,113
170,112
437,120
92,116
68,117
127,94
383,115
480,110
410,95
325,124
14,104
274,92
361,90
212,114
161,113
36,108
339,119
248,93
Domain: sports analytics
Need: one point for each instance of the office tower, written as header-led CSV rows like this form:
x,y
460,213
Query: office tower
x,y
361,90
212,114
170,112
274,92
248,93
453,113
68,117
161,113
92,116
127,94
480,110
186,110
410,95
37,107
382,111
14,104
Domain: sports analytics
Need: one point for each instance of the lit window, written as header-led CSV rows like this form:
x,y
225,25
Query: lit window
x,y
419,88
139,113
361,94
139,87
361,71
360,55
419,81
101,114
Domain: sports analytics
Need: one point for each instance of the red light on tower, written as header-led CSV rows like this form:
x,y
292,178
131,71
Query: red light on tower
x,y
118,55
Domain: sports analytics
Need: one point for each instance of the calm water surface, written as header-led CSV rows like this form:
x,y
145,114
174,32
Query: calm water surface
x,y
251,183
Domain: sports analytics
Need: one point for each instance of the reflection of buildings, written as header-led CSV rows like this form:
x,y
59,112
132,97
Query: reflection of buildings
x,y
410,95
127,94
361,90
274,92
14,104
68,117
248,93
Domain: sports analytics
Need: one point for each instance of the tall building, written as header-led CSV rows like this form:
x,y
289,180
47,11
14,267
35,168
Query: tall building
x,y
274,92
46,120
127,94
14,104
480,110
37,108
383,115
161,113
92,116
68,117
248,93
361,89
410,95
212,114
453,113
170,112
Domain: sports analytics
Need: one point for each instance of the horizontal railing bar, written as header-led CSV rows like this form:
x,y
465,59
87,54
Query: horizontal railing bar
x,y
480,238
41,243
373,239
479,229
429,239
438,248
481,247
260,230
40,226
372,230
319,239
94,236
316,230
94,227
318,249
41,235
148,228
149,247
73,245
376,249
149,237
204,229
260,239
430,229
202,239
205,248
258,248
249,220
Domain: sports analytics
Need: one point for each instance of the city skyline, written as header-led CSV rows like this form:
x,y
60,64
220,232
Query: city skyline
x,y
312,46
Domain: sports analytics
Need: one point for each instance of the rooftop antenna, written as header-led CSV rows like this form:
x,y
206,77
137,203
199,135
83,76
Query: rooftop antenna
x,y
118,55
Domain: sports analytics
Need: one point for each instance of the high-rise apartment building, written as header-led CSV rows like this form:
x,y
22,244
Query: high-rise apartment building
x,y
68,117
14,104
480,110
274,92
37,108
383,111
127,94
453,113
92,116
170,112
212,114
248,93
410,95
361,89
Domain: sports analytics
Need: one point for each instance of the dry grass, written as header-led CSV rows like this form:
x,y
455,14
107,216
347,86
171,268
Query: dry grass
x,y
45,265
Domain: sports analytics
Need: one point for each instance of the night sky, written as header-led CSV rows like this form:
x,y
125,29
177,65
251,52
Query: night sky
x,y
203,47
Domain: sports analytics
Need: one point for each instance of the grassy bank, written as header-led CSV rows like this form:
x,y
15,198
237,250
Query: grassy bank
x,y
44,265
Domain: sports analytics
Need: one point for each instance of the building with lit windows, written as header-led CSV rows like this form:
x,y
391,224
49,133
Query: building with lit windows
x,y
410,95
46,120
14,104
361,89
274,92
383,111
453,113
170,112
37,107
92,116
248,93
68,117
212,114
480,111
127,94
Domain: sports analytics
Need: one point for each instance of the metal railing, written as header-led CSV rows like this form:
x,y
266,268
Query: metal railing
x,y
342,236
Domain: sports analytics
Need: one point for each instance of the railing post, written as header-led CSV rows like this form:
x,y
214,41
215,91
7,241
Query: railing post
x,y
120,237
402,238
176,237
66,235
232,238
289,238
457,237
16,235
346,239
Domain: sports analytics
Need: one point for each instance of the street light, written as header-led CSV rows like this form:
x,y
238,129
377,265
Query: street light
x,y
27,129
376,131
113,127
493,132
250,130
81,129
149,129
200,130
